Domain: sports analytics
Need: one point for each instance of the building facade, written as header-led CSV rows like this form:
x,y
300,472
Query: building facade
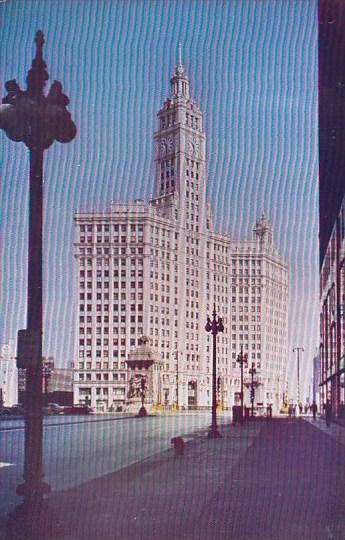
x,y
331,56
331,48
315,395
60,388
157,269
332,318
8,375
47,370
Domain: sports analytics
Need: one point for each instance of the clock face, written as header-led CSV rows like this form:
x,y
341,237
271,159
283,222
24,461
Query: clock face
x,y
170,143
193,146
163,147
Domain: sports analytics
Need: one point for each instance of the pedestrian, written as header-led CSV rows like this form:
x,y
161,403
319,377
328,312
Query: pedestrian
x,y
314,410
328,412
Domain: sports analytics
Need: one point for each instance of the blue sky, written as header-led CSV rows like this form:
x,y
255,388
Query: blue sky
x,y
253,71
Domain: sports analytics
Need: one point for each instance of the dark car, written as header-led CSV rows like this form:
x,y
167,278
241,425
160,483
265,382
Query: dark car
x,y
78,409
17,410
55,408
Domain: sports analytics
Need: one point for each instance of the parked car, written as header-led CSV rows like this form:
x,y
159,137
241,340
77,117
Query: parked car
x,y
5,411
17,410
78,409
55,408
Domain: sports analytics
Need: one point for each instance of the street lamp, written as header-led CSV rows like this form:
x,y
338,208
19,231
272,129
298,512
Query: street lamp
x,y
36,120
142,410
214,327
242,359
47,373
298,350
176,352
252,373
220,391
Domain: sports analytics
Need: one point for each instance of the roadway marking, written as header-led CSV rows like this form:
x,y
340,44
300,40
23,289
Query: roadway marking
x,y
68,423
3,464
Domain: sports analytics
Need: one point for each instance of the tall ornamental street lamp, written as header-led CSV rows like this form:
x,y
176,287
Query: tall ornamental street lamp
x,y
219,392
242,359
37,120
142,411
215,326
46,372
176,353
298,350
252,373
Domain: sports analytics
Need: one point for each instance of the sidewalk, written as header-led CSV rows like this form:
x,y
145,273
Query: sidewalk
x,y
282,479
336,430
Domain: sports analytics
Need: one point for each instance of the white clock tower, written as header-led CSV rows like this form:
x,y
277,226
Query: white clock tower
x,y
180,156
180,197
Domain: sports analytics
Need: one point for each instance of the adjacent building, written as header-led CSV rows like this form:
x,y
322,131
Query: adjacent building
x,y
332,318
60,388
8,375
331,201
48,367
331,55
315,394
157,268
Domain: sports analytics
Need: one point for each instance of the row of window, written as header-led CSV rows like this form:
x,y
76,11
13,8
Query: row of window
x,y
191,163
192,217
120,392
104,263
116,227
169,173
99,353
115,250
116,329
168,185
115,307
100,365
192,121
191,174
245,299
167,120
116,297
115,239
88,353
139,273
102,377
105,319
116,284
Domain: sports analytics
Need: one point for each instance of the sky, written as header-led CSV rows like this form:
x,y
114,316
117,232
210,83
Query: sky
x,y
252,66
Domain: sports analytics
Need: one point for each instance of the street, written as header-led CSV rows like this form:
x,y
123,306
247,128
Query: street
x,y
279,479
282,479
78,449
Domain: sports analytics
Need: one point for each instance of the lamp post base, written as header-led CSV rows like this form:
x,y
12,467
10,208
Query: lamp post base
x,y
142,412
37,522
214,434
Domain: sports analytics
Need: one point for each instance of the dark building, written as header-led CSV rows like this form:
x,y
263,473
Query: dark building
x,y
332,202
61,387
331,116
56,383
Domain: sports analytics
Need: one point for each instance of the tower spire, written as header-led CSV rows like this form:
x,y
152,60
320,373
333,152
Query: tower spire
x,y
180,65
179,81
179,68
